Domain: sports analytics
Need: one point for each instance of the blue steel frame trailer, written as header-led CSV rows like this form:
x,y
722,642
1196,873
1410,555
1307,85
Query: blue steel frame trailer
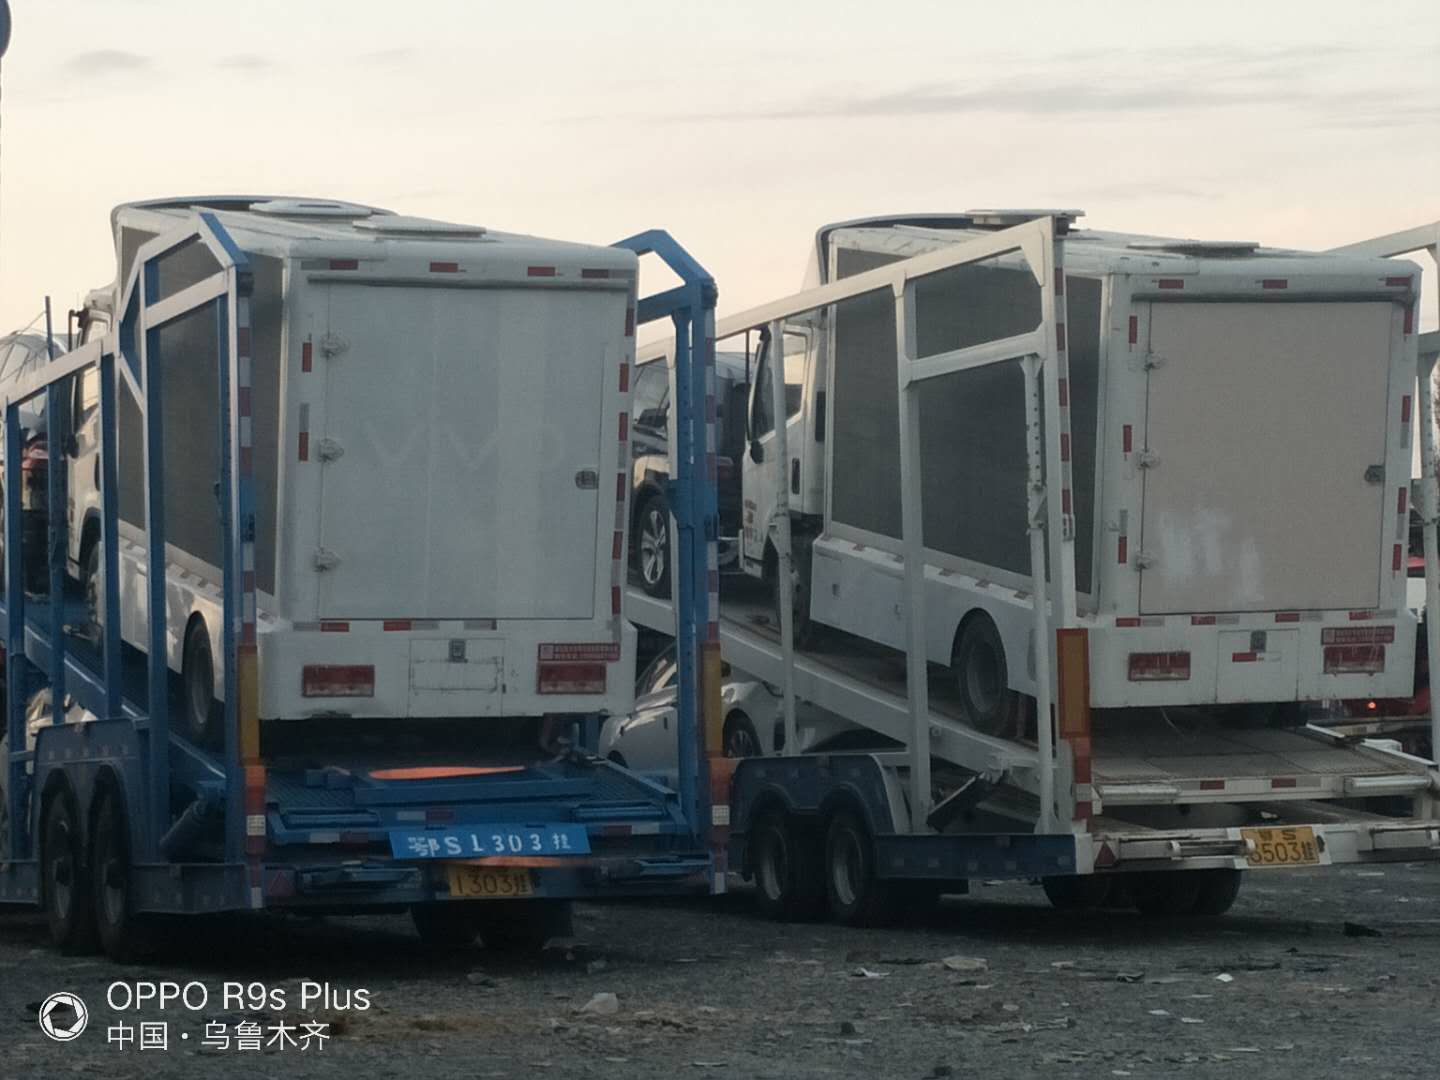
x,y
117,816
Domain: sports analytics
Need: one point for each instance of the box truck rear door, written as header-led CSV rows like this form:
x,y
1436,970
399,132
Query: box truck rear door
x,y
460,452
1266,441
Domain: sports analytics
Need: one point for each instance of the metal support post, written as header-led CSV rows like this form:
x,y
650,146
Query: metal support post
x,y
784,546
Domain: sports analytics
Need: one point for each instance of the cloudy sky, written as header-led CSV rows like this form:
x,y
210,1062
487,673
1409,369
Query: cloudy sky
x,y
740,126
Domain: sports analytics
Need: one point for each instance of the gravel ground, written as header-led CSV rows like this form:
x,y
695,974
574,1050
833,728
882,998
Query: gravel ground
x,y
1278,988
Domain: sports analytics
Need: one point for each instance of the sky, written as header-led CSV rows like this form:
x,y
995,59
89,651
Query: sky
x,y
739,126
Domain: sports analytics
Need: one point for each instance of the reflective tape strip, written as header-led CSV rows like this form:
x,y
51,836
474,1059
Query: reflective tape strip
x,y
254,824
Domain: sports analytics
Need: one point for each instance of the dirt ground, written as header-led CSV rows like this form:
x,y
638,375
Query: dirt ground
x,y
1278,988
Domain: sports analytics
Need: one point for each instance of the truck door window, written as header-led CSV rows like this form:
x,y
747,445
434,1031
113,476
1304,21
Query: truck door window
x,y
762,418
649,408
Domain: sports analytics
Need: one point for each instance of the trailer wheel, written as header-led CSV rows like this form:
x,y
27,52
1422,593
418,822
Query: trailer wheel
x,y
1073,892
654,540
523,925
123,934
857,896
447,925
987,703
1167,893
1218,890
789,873
204,716
63,877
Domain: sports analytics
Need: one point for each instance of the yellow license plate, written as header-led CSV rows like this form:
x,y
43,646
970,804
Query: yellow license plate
x,y
1283,847
489,882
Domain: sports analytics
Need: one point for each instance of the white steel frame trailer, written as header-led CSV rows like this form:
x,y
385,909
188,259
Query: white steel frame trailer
x,y
1144,788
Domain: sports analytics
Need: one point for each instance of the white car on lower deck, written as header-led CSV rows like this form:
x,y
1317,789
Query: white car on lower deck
x,y
754,721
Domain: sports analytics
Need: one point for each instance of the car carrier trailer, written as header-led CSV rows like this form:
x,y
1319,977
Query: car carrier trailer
x,y
1099,798
122,815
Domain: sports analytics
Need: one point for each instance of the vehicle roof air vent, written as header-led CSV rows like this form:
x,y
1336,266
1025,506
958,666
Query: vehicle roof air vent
x,y
400,225
311,208
1213,248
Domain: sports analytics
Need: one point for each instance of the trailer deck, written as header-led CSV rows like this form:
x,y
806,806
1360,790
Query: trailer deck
x,y
1166,757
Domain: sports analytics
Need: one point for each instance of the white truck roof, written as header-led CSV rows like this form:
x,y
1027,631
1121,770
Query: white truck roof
x,y
1087,250
292,227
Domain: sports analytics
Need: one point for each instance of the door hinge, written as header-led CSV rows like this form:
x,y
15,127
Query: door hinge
x,y
1375,474
333,344
328,449
1153,361
1143,560
1147,459
325,559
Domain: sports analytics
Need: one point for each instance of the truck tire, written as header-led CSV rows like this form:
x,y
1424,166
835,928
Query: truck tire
x,y
1218,890
64,879
204,717
523,925
446,924
986,701
90,587
739,738
802,628
123,934
857,896
788,870
1073,892
652,541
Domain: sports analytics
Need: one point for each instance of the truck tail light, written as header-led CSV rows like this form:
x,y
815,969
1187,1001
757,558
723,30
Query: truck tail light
x,y
1354,659
571,677
337,680
1159,666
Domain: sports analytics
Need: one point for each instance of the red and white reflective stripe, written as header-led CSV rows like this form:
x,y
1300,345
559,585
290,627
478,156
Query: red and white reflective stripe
x,y
1122,546
307,356
1402,513
304,444
622,475
245,468
712,563
444,268
1405,421
255,830
1062,372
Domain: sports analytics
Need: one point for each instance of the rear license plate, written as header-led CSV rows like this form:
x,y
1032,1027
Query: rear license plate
x,y
482,841
1283,847
488,882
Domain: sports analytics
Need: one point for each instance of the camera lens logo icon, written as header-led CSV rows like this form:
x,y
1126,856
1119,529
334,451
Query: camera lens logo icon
x,y
63,1016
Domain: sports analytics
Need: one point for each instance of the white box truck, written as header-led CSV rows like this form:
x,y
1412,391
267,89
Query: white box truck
x,y
437,414
1234,433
